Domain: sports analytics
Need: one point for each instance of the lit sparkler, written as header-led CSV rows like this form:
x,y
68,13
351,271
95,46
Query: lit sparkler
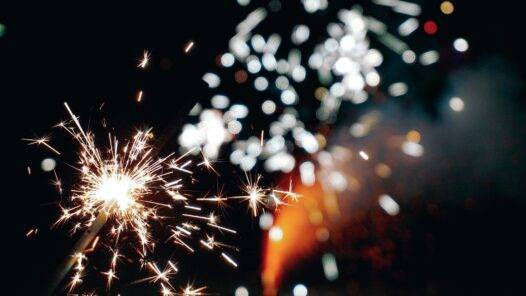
x,y
126,189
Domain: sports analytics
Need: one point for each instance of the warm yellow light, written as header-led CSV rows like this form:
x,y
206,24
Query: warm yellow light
x,y
447,7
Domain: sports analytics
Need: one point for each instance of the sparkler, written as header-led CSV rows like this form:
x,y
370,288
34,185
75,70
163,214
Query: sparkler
x,y
125,189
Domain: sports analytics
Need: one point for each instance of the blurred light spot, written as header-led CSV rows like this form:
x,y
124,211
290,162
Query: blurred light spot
x,y
253,65
300,290
212,80
337,181
413,136
236,156
397,89
258,42
430,27
282,82
307,173
227,60
429,57
330,269
364,155
240,76
247,163
322,234
282,66
288,97
239,111
261,83
269,62
447,7
372,78
268,107
299,73
300,34
389,205
220,101
316,217
48,164
408,8
408,27
320,93
412,149
241,291
196,109
358,130
274,5
2,30
311,6
234,127
382,170
409,56
265,221
243,3
275,234
460,45
456,104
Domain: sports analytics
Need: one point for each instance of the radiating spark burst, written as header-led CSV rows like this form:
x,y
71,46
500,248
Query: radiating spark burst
x,y
44,141
258,197
189,290
126,189
145,59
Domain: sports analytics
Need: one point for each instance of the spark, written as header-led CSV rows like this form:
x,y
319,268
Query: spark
x,y
364,155
44,141
145,59
207,163
229,259
193,208
188,46
222,228
259,197
57,182
110,274
189,290
32,231
162,276
29,170
139,96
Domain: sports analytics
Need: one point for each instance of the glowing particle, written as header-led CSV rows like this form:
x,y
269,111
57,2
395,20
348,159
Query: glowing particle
x,y
330,269
139,96
460,45
300,290
275,234
389,205
364,155
268,107
241,291
227,60
456,104
447,7
430,27
188,46
48,164
265,221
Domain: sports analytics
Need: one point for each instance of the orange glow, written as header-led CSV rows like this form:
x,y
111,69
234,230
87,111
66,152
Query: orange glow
x,y
299,237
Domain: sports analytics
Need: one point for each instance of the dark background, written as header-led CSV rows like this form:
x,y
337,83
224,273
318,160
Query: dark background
x,y
86,54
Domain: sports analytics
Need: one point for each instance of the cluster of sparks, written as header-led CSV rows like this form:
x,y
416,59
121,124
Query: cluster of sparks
x,y
126,189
